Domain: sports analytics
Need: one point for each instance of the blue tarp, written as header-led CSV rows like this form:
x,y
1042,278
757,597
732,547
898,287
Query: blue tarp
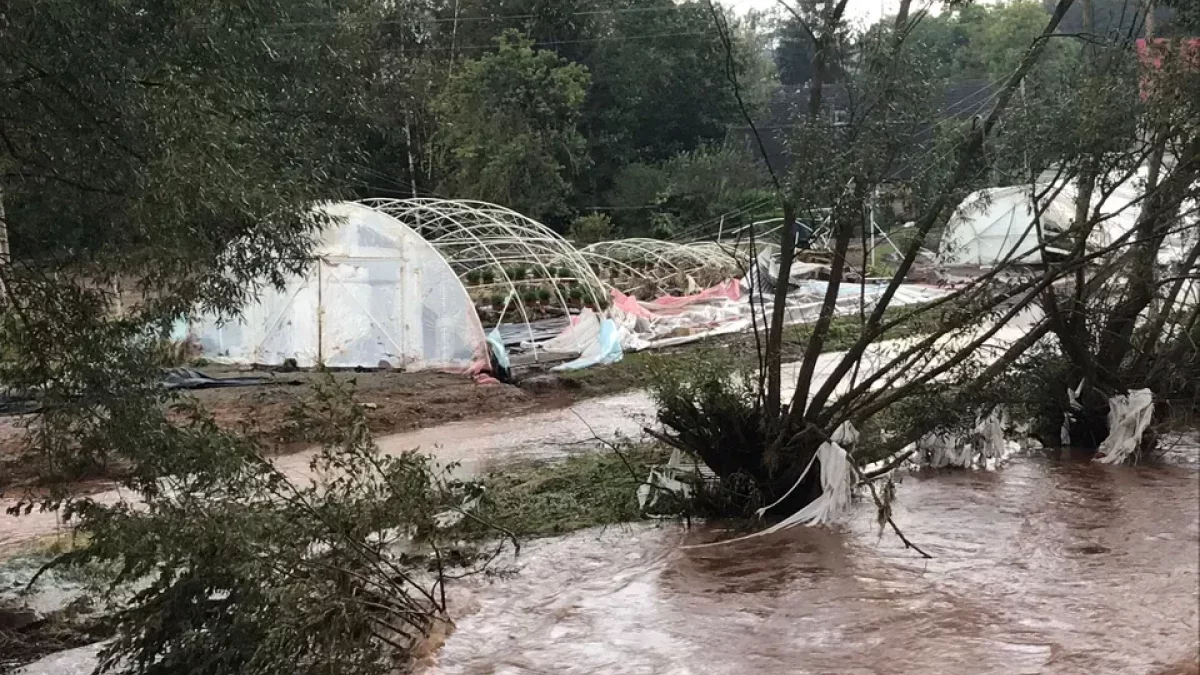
x,y
499,353
606,349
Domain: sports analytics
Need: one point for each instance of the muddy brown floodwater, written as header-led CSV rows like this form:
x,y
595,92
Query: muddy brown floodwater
x,y
1044,566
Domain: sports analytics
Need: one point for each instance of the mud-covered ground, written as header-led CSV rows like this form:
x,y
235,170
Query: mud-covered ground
x,y
398,401
392,401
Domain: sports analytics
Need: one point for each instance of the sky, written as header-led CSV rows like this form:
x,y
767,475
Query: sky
x,y
865,12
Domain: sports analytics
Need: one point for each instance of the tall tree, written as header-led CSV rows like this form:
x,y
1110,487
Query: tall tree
x,y
178,151
508,127
181,145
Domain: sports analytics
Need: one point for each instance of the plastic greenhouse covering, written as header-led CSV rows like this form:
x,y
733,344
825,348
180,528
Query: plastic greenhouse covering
x,y
377,295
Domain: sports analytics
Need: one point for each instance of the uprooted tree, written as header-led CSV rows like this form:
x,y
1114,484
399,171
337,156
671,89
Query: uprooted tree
x,y
890,141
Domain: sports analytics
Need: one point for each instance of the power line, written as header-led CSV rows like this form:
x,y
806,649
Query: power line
x,y
493,18
552,43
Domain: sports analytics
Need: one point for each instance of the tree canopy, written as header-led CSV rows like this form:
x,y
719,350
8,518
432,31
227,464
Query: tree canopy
x,y
508,123
183,144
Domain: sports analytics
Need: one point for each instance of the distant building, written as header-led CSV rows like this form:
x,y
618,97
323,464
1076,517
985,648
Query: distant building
x,y
1157,55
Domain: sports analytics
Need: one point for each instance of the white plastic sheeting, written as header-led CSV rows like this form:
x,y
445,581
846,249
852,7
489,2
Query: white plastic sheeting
x,y
982,448
837,489
674,320
1129,416
594,339
666,479
994,224
378,295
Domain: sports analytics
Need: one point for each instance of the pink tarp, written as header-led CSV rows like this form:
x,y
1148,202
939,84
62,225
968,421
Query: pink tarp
x,y
669,305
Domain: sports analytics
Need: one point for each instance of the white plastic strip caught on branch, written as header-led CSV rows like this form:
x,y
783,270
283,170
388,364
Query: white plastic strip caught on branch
x,y
1128,418
1073,405
989,435
664,479
837,485
844,435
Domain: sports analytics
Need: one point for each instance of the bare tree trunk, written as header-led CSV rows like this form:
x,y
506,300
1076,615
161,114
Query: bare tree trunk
x,y
816,341
408,147
773,352
787,242
823,46
453,41
902,18
1158,213
4,254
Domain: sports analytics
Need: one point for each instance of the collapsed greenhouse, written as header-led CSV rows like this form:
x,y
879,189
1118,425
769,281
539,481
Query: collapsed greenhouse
x,y
411,283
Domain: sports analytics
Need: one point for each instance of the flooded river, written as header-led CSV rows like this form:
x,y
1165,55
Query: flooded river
x,y
1045,566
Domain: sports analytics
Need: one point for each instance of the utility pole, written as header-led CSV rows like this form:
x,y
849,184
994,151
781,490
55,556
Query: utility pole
x,y
4,257
453,41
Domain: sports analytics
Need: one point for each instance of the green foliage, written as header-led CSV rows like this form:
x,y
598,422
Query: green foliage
x,y
590,229
690,191
508,124
236,569
710,408
584,491
981,41
653,98
182,146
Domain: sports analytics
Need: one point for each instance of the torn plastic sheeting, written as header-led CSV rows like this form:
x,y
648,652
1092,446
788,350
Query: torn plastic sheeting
x,y
583,330
941,450
606,348
1129,416
669,305
499,353
680,319
837,487
728,290
987,443
664,479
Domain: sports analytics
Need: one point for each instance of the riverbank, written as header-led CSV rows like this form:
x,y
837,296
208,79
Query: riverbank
x,y
397,402
526,500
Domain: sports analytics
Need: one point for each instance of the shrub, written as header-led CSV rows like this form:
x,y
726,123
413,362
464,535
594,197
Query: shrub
x,y
709,408
237,569
590,229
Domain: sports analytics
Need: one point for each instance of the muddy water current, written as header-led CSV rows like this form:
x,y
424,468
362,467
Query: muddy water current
x,y
1048,565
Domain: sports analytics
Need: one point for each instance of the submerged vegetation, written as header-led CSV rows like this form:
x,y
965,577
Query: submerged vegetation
x,y
596,488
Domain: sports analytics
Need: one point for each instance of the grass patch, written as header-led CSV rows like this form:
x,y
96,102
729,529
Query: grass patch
x,y
584,491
